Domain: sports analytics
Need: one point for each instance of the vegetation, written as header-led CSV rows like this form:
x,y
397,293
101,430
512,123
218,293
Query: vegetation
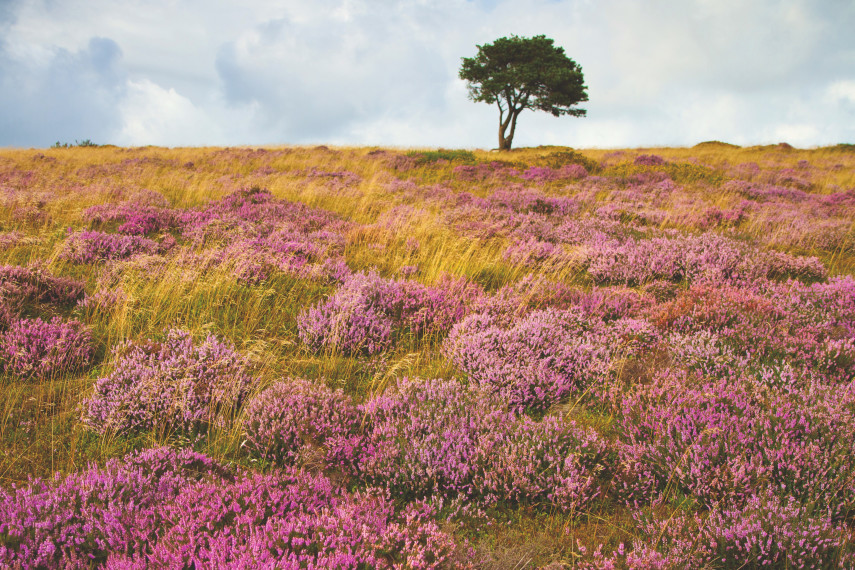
x,y
427,359
524,73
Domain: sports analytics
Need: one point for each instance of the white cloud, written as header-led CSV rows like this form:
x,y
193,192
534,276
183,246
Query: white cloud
x,y
842,91
797,134
59,95
385,72
152,113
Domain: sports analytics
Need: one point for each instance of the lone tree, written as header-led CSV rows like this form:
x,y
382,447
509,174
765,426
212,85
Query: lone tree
x,y
524,73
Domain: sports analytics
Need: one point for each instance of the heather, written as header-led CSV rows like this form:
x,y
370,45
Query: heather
x,y
176,384
546,355
367,313
42,349
94,247
33,288
171,508
369,358
295,421
485,453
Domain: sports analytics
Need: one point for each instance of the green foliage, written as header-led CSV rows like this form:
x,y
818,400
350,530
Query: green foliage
x,y
557,159
842,147
425,157
679,172
688,173
715,144
84,142
524,73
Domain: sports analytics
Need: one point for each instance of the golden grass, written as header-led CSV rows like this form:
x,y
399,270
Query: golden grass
x,y
39,428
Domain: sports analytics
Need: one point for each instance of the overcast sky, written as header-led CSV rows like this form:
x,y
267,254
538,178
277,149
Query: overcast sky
x,y
383,72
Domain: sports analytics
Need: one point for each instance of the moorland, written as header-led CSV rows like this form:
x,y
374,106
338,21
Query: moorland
x,y
314,357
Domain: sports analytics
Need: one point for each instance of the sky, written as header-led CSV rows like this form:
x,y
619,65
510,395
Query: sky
x,y
385,73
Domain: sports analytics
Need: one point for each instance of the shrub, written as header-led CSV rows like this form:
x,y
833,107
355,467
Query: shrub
x,y
95,247
804,332
564,158
649,160
134,218
722,440
22,285
264,225
178,509
706,258
294,420
543,356
33,348
764,532
83,518
442,438
368,312
177,384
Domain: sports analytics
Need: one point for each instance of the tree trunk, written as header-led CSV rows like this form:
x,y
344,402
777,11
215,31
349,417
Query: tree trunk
x,y
505,142
510,139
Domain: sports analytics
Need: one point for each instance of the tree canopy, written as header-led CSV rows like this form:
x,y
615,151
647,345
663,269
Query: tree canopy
x,y
524,73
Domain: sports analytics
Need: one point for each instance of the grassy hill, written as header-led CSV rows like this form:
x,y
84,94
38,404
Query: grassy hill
x,y
444,357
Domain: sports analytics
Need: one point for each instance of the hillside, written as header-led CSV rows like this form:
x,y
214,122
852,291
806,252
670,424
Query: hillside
x,y
427,358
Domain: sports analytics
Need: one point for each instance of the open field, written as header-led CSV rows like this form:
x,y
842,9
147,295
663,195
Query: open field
x,y
368,358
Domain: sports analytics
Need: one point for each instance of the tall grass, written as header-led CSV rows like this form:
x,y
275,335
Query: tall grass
x,y
43,192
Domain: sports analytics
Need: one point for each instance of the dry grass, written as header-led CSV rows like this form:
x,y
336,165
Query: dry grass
x,y
39,429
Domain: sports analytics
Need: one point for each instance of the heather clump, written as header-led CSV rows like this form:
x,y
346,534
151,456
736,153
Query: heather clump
x,y
86,517
442,438
102,300
302,255
764,532
729,331
95,247
544,356
252,213
522,200
829,306
705,258
33,348
132,218
649,160
292,519
546,174
724,441
486,453
367,313
253,235
535,292
176,384
35,285
10,239
533,251
170,508
295,421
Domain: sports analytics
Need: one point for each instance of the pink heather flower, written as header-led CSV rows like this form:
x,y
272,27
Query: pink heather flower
x,y
649,160
540,358
367,312
441,438
95,247
295,419
177,384
134,218
33,348
26,285
176,509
